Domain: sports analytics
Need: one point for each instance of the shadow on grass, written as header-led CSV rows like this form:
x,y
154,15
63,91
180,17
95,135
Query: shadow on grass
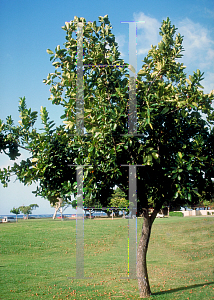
x,y
182,288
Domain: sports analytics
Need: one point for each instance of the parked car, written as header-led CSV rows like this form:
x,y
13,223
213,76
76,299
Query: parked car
x,y
61,217
8,219
160,216
87,216
132,217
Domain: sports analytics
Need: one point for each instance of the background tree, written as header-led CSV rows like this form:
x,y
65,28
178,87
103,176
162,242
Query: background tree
x,y
119,200
27,210
89,204
62,205
15,211
175,146
208,203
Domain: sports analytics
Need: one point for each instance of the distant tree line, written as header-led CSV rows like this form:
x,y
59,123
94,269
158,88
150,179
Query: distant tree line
x,y
26,210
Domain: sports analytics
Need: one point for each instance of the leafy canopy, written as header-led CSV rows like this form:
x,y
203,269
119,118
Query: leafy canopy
x,y
118,199
15,211
27,210
176,143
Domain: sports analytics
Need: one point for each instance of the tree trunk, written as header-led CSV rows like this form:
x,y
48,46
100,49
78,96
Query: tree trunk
x,y
142,274
57,206
16,219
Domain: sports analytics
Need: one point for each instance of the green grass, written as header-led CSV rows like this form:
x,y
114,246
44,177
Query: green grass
x,y
38,259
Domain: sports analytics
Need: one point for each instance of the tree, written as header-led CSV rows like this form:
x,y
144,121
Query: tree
x,y
8,139
62,204
175,145
15,211
27,210
89,203
118,200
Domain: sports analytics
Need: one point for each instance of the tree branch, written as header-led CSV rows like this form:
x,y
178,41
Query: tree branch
x,y
24,147
153,82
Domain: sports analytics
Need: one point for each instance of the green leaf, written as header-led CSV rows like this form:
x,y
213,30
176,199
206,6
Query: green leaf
x,y
189,167
180,155
155,155
69,124
165,110
115,126
188,81
141,72
34,159
196,192
149,157
49,51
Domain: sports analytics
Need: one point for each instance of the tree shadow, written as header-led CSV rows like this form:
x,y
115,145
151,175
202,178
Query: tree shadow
x,y
181,288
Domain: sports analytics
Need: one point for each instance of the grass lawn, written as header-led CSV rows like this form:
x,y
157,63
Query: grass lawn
x,y
38,257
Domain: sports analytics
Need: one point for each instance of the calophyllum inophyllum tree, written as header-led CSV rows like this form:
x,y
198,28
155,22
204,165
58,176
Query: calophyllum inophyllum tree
x,y
173,144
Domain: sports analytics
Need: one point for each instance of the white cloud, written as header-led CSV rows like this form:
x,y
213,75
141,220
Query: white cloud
x,y
147,33
121,40
198,45
199,50
208,82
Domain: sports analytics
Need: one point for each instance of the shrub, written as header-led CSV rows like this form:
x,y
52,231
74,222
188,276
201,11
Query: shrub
x,y
176,214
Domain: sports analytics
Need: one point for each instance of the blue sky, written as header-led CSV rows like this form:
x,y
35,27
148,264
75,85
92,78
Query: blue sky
x,y
28,28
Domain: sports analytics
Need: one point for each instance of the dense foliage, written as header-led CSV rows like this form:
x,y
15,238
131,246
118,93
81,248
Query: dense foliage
x,y
176,214
174,145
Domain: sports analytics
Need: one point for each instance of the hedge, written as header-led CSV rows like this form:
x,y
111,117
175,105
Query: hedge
x,y
176,214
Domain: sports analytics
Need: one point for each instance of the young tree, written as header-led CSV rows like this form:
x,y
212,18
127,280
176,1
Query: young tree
x,y
15,211
61,205
119,201
175,145
27,210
